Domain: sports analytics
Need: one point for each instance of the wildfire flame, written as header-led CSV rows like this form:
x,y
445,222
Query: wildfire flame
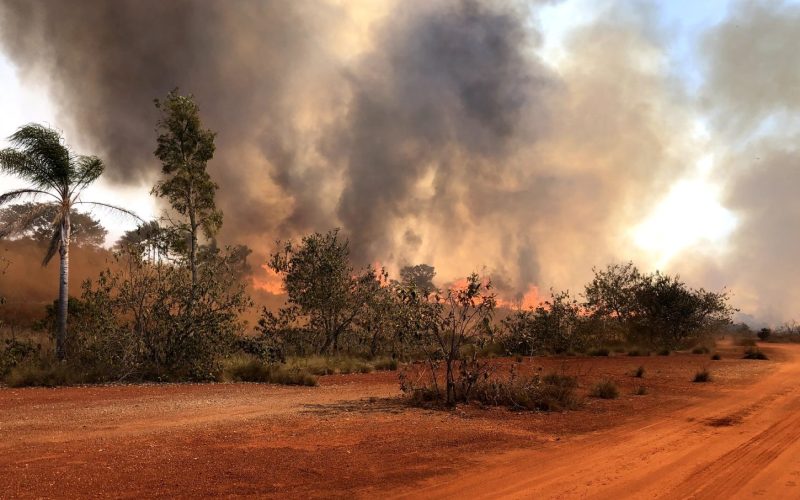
x,y
270,281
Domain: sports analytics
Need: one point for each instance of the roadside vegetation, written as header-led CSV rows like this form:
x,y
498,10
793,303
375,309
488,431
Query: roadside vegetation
x,y
170,303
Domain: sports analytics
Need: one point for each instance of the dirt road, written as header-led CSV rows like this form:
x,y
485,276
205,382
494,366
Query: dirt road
x,y
742,444
352,437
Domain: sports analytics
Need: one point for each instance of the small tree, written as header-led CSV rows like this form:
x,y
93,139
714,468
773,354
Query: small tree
x,y
611,296
460,326
320,283
185,148
764,334
668,312
420,276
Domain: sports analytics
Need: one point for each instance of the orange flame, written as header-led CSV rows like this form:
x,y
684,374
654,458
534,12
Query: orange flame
x,y
270,282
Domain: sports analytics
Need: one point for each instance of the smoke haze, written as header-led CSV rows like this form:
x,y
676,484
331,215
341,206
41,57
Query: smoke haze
x,y
437,132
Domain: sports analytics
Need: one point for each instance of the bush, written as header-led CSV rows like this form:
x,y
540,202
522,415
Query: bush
x,y
754,353
637,352
605,389
602,351
15,352
553,392
702,376
700,350
716,357
639,373
664,352
764,333
640,390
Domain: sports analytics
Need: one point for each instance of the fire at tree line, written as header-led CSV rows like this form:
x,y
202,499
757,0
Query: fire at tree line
x,y
169,306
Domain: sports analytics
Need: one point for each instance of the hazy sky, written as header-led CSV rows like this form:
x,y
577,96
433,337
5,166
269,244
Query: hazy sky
x,y
621,130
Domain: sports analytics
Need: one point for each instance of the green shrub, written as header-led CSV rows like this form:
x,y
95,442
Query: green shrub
x,y
639,373
716,357
14,352
605,389
702,376
754,353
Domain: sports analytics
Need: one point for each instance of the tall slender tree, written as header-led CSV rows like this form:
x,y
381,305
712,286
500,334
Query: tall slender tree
x,y
40,156
185,148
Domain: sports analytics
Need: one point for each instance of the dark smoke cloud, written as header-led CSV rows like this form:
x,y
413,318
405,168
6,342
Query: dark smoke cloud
x,y
245,61
447,80
430,131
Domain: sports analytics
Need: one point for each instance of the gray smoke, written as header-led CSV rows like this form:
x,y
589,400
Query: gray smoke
x,y
430,131
752,93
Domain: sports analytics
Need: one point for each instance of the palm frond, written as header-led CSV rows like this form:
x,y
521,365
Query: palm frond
x,y
45,145
87,170
18,193
20,164
53,246
121,210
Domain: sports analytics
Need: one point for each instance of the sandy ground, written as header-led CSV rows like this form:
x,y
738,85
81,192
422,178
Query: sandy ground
x,y
351,437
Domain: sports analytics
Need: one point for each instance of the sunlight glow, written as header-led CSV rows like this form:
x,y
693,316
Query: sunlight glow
x,y
689,216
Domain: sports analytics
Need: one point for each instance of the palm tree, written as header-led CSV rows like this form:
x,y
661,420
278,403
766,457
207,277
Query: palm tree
x,y
40,156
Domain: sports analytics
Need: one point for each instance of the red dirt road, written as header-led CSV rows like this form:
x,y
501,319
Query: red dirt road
x,y
351,437
743,443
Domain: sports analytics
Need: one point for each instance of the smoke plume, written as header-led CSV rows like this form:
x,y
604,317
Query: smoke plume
x,y
429,131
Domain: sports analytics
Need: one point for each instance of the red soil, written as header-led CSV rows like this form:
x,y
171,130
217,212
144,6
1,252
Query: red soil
x,y
352,436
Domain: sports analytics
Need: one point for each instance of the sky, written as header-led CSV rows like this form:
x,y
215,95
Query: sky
x,y
607,126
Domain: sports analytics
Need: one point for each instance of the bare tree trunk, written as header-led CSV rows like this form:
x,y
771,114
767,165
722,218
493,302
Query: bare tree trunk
x,y
63,290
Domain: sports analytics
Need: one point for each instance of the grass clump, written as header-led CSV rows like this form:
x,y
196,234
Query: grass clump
x,y
640,390
385,364
702,376
244,369
552,392
639,372
605,389
716,357
45,374
322,365
754,353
